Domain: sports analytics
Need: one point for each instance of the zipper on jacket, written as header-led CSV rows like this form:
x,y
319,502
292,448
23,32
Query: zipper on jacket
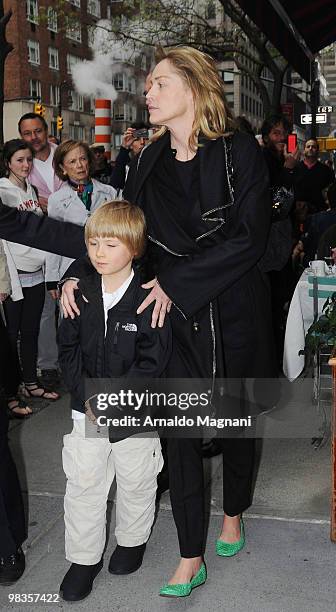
x,y
115,334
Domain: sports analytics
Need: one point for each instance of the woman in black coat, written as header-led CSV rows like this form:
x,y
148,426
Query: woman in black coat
x,y
204,191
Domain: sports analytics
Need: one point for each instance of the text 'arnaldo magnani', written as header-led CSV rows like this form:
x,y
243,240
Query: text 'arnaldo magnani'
x,y
187,407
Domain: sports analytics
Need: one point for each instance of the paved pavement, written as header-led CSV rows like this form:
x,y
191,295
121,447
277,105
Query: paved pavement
x,y
288,564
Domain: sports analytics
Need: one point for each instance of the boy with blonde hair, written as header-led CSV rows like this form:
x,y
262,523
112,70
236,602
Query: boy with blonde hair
x,y
109,340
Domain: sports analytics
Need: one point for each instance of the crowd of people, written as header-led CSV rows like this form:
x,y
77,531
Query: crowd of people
x,y
171,263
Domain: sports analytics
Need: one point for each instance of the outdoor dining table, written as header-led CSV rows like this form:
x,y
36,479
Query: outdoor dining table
x,y
300,317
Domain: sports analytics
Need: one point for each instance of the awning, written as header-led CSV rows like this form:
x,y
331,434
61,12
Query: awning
x,y
314,20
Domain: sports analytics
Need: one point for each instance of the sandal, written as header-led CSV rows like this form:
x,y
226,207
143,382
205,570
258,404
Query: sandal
x,y
18,405
43,393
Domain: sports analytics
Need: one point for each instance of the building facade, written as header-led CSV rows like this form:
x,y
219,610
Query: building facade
x,y
49,39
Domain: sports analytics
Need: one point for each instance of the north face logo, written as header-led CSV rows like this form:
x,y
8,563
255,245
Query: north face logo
x,y
131,327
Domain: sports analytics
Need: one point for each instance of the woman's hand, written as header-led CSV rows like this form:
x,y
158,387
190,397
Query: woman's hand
x,y
162,306
3,296
69,306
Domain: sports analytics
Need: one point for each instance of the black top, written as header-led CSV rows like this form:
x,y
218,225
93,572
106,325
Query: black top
x,y
310,182
185,171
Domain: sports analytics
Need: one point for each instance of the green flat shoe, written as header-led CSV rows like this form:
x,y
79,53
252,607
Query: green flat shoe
x,y
225,549
184,589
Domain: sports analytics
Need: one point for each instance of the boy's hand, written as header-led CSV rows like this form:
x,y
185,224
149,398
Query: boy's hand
x,y
54,293
69,306
162,306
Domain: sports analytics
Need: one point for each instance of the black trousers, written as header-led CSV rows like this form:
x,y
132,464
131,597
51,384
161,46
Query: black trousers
x,y
9,368
12,519
187,486
192,357
24,316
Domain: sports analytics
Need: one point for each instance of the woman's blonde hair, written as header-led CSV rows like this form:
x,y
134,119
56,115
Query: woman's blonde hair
x,y
119,219
213,117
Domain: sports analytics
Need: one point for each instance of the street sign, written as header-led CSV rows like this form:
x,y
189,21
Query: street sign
x,y
325,109
307,119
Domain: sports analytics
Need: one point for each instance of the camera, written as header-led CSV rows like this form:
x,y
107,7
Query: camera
x,y
143,133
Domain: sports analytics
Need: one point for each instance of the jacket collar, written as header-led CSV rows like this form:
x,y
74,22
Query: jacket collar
x,y
91,288
215,192
66,193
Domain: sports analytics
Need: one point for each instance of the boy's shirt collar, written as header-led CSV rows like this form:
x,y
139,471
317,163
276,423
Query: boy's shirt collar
x,y
111,299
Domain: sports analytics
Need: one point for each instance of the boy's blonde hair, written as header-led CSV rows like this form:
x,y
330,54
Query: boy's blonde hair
x,y
119,219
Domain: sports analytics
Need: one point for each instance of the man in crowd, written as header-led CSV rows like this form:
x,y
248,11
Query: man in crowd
x,y
34,129
311,177
280,163
281,166
102,168
133,141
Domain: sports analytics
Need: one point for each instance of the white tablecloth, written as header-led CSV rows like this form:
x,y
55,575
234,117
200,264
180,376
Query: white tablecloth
x,y
300,318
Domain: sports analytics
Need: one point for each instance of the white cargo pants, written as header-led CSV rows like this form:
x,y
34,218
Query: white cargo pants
x,y
90,465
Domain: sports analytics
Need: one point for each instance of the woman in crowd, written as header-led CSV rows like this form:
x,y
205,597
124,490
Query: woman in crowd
x,y
75,201
23,308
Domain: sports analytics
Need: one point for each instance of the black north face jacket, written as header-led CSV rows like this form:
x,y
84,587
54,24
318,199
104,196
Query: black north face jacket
x,y
131,348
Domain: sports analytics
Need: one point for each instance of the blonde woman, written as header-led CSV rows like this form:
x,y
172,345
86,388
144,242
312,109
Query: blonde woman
x,y
205,196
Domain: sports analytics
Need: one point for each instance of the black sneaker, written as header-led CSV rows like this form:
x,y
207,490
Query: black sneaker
x,y
78,581
126,559
12,567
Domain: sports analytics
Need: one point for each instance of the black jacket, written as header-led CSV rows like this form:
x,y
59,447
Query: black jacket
x,y
131,348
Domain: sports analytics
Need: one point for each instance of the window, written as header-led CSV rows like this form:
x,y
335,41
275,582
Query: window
x,y
33,52
76,132
72,60
53,58
210,11
91,32
32,11
131,85
93,7
108,12
52,19
54,95
118,81
119,111
242,101
143,62
73,30
77,103
130,112
92,104
144,115
75,2
35,88
117,140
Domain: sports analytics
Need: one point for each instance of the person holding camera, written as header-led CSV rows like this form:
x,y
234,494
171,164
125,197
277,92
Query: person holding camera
x,y
133,141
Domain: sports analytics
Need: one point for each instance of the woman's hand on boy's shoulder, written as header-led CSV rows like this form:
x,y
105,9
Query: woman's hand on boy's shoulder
x,y
68,301
162,303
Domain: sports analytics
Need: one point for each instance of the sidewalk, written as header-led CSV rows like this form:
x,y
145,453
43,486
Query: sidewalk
x,y
288,564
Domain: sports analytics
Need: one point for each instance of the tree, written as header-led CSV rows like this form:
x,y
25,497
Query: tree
x,y
5,48
192,22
